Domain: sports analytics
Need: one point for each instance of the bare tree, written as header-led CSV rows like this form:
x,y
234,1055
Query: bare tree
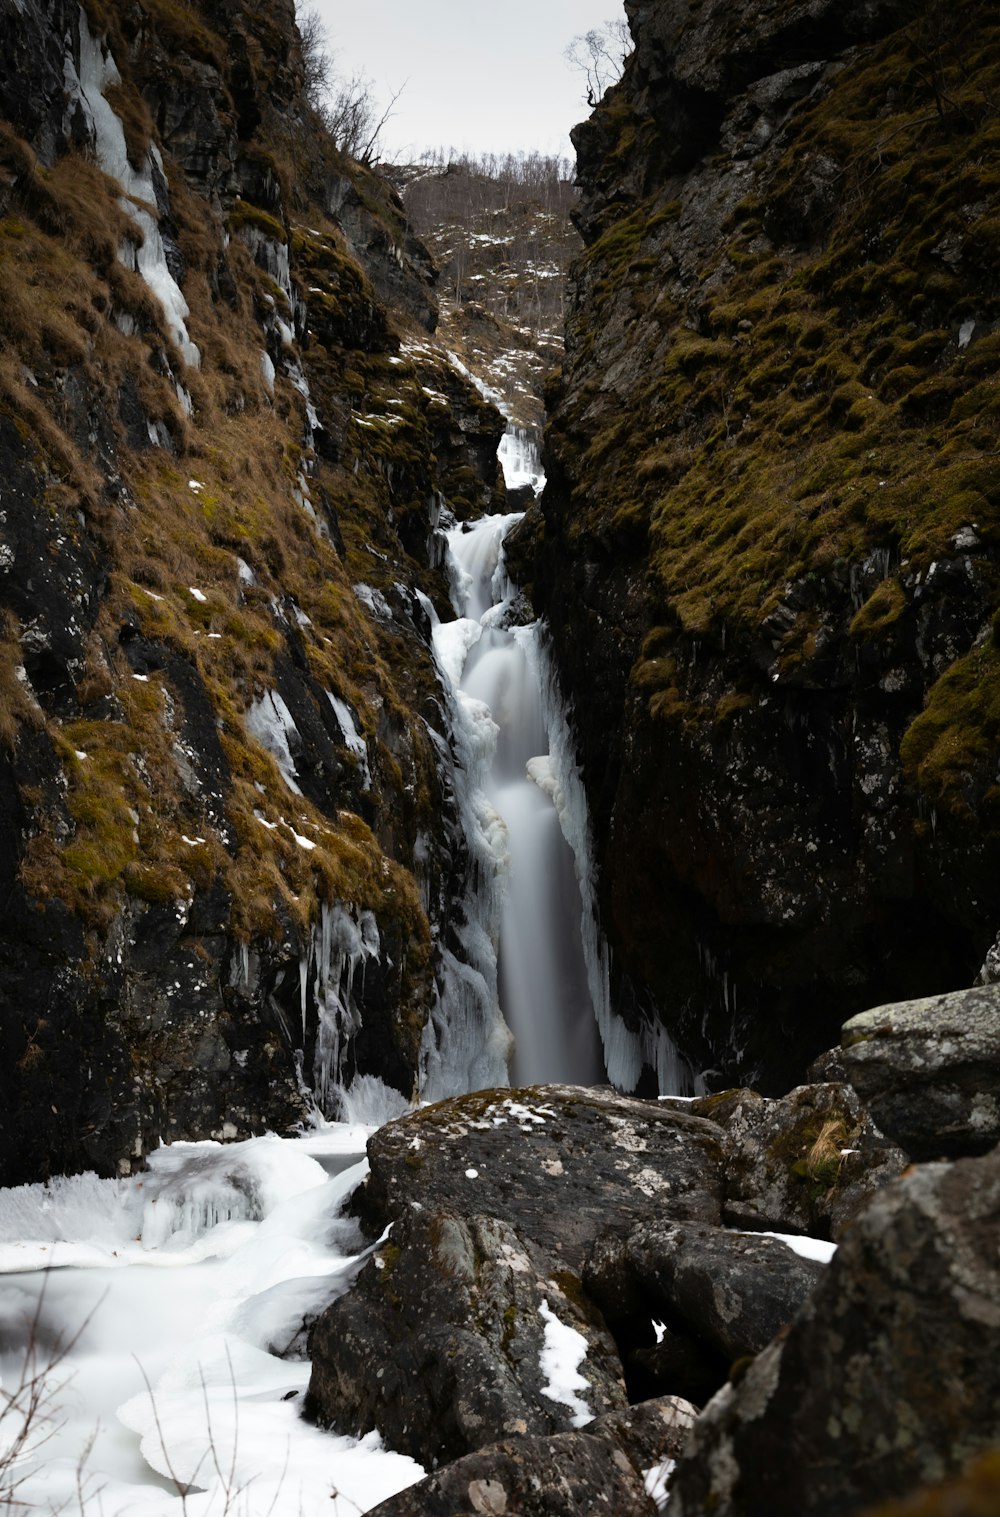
x,y
600,56
346,105
317,61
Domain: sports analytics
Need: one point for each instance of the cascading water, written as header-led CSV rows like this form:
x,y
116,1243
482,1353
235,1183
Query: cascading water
x,y
531,885
544,991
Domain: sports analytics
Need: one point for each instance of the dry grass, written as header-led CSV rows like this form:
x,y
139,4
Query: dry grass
x,y
127,806
825,1156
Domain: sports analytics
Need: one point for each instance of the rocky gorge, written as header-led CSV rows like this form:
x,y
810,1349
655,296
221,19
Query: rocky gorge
x,y
251,880
767,547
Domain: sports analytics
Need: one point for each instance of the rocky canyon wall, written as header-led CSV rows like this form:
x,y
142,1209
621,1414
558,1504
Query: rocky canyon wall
x,y
767,549
228,839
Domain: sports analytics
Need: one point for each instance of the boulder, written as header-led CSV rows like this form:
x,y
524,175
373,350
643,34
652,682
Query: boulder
x,y
684,1300
735,1290
929,1071
460,1332
649,1433
609,1467
560,1164
806,1163
888,1378
572,1475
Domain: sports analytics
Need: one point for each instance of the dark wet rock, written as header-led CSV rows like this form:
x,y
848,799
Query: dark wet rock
x,y
806,1163
520,497
788,796
398,264
571,1475
686,1301
733,1290
440,1343
888,1377
665,1362
929,1071
560,1163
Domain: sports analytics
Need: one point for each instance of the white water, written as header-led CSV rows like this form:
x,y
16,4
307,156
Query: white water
x,y
543,984
164,1314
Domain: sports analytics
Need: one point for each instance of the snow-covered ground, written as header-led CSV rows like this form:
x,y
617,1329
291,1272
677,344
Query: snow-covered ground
x,y
161,1318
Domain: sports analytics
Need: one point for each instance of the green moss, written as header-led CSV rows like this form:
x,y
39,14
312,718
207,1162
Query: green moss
x,y
243,214
881,610
822,409
950,750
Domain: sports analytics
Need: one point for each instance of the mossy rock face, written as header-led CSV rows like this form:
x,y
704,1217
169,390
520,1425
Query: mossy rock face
x,y
806,1163
769,555
187,807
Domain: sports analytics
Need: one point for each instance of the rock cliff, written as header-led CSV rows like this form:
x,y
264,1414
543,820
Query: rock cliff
x,y
767,549
227,829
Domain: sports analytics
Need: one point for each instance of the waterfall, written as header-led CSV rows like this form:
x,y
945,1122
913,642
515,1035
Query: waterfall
x,y
542,973
533,962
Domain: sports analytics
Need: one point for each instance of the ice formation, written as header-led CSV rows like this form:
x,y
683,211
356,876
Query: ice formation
x,y
97,73
342,944
353,740
520,459
271,724
174,1362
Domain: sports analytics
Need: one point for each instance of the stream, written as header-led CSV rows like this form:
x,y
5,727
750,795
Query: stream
x,y
152,1328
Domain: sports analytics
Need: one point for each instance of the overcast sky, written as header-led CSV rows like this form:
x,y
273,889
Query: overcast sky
x,y
478,75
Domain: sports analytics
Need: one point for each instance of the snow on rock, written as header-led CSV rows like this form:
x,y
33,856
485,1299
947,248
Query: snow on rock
x,y
271,724
563,1352
97,73
353,740
657,1480
818,1249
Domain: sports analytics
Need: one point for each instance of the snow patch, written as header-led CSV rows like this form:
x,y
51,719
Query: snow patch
x,y
563,1351
656,1481
807,1248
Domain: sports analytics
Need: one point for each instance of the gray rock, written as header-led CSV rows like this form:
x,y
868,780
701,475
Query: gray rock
x,y
929,1071
805,1164
989,974
573,1475
439,1345
649,1433
716,1297
887,1378
561,1164
736,1290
